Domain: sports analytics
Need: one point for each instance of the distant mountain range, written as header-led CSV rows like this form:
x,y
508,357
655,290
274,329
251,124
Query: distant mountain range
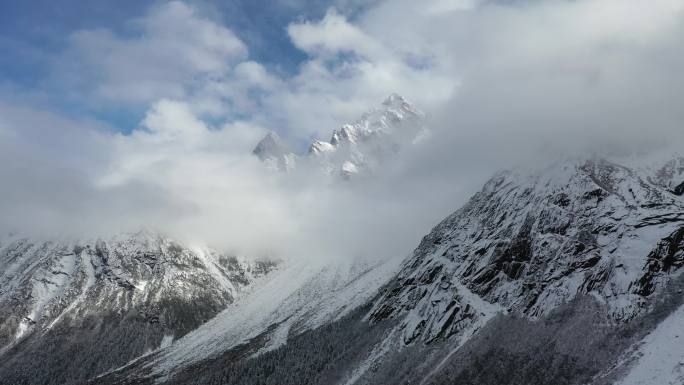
x,y
570,273
360,146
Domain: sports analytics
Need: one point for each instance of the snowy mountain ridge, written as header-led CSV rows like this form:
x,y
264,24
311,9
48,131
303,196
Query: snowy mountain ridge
x,y
142,283
531,242
362,145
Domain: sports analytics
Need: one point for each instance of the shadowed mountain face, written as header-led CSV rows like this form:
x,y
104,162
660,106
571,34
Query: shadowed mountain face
x,y
72,310
554,276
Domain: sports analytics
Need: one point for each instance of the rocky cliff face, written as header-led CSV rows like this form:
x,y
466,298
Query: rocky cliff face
x,y
529,242
133,293
273,151
545,276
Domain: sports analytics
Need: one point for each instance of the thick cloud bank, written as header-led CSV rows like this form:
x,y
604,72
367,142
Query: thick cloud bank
x,y
502,83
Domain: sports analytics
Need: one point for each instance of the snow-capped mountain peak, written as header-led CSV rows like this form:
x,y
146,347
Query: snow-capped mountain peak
x,y
400,105
391,118
355,147
275,152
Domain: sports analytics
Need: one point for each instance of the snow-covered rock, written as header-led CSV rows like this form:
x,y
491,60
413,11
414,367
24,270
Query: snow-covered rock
x,y
362,145
531,241
367,142
59,284
275,152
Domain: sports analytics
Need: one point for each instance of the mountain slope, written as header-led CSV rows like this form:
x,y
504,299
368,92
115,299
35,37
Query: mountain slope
x,y
530,243
300,297
105,302
658,357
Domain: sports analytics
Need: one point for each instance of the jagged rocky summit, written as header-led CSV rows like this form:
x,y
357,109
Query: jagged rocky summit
x,y
528,243
362,145
275,152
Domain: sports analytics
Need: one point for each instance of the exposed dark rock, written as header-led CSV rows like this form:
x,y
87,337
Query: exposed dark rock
x,y
679,190
668,255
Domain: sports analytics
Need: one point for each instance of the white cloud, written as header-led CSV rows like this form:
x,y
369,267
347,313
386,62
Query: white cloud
x,y
436,7
169,120
332,35
350,69
168,50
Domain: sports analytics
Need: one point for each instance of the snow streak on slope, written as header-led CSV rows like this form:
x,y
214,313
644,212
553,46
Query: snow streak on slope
x,y
660,356
300,296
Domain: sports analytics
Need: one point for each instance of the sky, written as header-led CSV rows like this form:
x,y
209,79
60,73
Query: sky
x,y
143,114
34,34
